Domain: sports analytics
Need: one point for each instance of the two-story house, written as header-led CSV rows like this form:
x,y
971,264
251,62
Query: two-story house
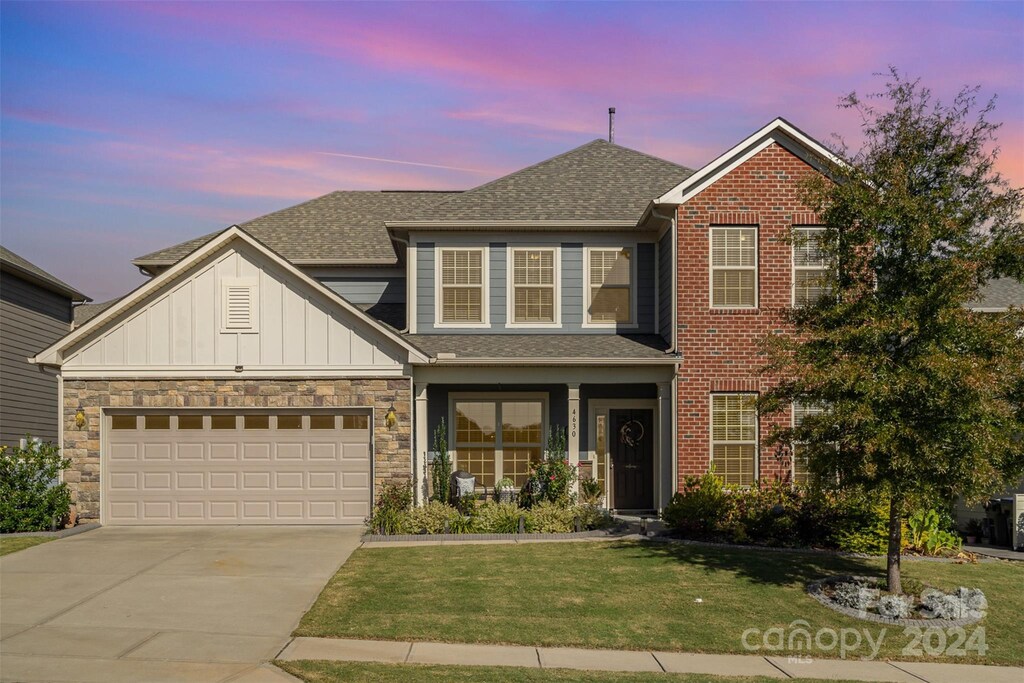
x,y
281,370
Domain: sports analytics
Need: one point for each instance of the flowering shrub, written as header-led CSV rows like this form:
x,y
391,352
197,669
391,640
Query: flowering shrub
x,y
553,479
391,511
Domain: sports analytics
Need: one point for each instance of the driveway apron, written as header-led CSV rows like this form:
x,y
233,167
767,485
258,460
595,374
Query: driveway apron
x,y
162,603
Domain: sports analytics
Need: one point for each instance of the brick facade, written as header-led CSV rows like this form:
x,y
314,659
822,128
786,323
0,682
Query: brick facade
x,y
721,348
392,447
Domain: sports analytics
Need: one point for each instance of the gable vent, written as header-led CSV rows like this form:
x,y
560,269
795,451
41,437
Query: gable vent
x,y
239,306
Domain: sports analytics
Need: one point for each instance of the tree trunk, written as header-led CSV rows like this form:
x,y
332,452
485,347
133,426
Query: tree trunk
x,y
892,559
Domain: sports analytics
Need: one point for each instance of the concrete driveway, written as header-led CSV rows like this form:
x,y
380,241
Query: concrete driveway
x,y
162,604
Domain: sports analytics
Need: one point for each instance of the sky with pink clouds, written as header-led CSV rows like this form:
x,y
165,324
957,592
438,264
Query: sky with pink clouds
x,y
126,127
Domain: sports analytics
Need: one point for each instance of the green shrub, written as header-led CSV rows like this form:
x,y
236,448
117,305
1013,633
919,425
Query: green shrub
x,y
928,535
766,514
703,509
441,467
432,518
29,500
392,509
863,528
547,517
590,491
497,518
592,517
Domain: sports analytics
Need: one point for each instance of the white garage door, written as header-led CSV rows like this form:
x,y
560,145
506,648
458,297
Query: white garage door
x,y
237,468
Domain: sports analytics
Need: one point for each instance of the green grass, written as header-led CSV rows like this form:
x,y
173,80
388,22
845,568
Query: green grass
x,y
626,595
13,544
314,671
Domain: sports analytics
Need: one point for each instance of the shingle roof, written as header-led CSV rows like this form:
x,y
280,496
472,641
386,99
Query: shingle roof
x,y
340,227
544,346
85,312
595,182
999,294
16,264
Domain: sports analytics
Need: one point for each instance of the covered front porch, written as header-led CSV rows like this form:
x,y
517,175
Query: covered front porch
x,y
617,422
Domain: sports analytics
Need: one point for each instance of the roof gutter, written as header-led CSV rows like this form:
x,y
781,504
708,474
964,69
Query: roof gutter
x,y
530,225
667,360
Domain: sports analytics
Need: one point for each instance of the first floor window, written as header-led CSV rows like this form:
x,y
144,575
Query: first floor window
x,y
734,438
462,286
610,293
809,266
733,267
498,438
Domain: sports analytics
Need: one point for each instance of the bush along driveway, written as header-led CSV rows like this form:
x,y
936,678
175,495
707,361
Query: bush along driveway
x,y
645,596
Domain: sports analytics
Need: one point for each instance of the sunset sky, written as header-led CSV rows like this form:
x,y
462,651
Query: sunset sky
x,y
129,127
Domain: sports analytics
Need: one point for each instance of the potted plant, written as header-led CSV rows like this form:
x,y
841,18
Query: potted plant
x,y
972,531
503,490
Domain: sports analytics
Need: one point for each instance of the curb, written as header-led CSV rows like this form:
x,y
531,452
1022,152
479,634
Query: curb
x,y
63,533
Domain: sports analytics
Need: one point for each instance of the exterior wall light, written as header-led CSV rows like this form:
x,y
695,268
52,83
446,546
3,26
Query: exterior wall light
x,y
391,417
80,417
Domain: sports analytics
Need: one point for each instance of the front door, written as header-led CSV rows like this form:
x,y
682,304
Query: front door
x,y
631,444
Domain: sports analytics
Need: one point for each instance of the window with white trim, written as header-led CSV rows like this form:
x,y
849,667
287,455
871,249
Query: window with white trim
x,y
534,286
734,438
610,286
809,266
462,286
733,267
498,438
801,411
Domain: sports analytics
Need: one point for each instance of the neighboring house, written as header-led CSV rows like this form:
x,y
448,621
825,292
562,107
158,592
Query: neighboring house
x,y
35,311
282,370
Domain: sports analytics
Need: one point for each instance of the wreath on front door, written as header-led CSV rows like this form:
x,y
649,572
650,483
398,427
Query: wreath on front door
x,y
631,433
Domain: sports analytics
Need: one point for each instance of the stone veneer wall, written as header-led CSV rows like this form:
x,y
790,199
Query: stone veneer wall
x,y
392,447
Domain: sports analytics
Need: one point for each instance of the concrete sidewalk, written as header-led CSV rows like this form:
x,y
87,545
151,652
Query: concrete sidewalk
x,y
399,652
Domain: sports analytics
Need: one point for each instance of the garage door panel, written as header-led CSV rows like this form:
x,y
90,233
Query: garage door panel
x,y
239,476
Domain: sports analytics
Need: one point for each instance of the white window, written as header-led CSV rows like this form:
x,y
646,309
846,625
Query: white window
x,y
733,267
462,296
800,412
734,438
610,291
239,305
533,287
809,266
496,438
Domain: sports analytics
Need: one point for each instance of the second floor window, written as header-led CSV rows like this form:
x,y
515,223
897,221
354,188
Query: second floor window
x,y
610,286
533,285
809,266
733,267
462,286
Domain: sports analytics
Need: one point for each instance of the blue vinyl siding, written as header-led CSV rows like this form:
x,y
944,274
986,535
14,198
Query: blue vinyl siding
x,y
665,262
573,292
368,291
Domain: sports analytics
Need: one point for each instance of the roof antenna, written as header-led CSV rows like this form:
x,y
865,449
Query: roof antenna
x,y
611,124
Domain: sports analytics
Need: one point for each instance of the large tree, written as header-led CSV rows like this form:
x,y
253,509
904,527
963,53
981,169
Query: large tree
x,y
921,395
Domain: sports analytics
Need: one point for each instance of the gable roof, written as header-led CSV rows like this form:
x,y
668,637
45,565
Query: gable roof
x,y
83,313
53,354
16,265
1000,294
599,183
778,131
337,228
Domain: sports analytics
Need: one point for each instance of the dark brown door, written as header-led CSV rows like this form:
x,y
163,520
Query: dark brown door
x,y
632,450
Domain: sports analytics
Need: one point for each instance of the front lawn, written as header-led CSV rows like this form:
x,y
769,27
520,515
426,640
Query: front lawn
x,y
12,544
627,595
351,672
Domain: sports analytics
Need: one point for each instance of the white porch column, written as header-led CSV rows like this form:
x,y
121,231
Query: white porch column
x,y
665,425
574,425
420,445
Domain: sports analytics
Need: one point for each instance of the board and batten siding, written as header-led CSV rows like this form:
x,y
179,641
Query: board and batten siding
x,y
31,319
665,264
180,326
572,289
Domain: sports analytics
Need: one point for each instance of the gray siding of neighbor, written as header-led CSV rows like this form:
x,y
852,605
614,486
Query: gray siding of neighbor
x,y
368,291
31,318
572,295
665,262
